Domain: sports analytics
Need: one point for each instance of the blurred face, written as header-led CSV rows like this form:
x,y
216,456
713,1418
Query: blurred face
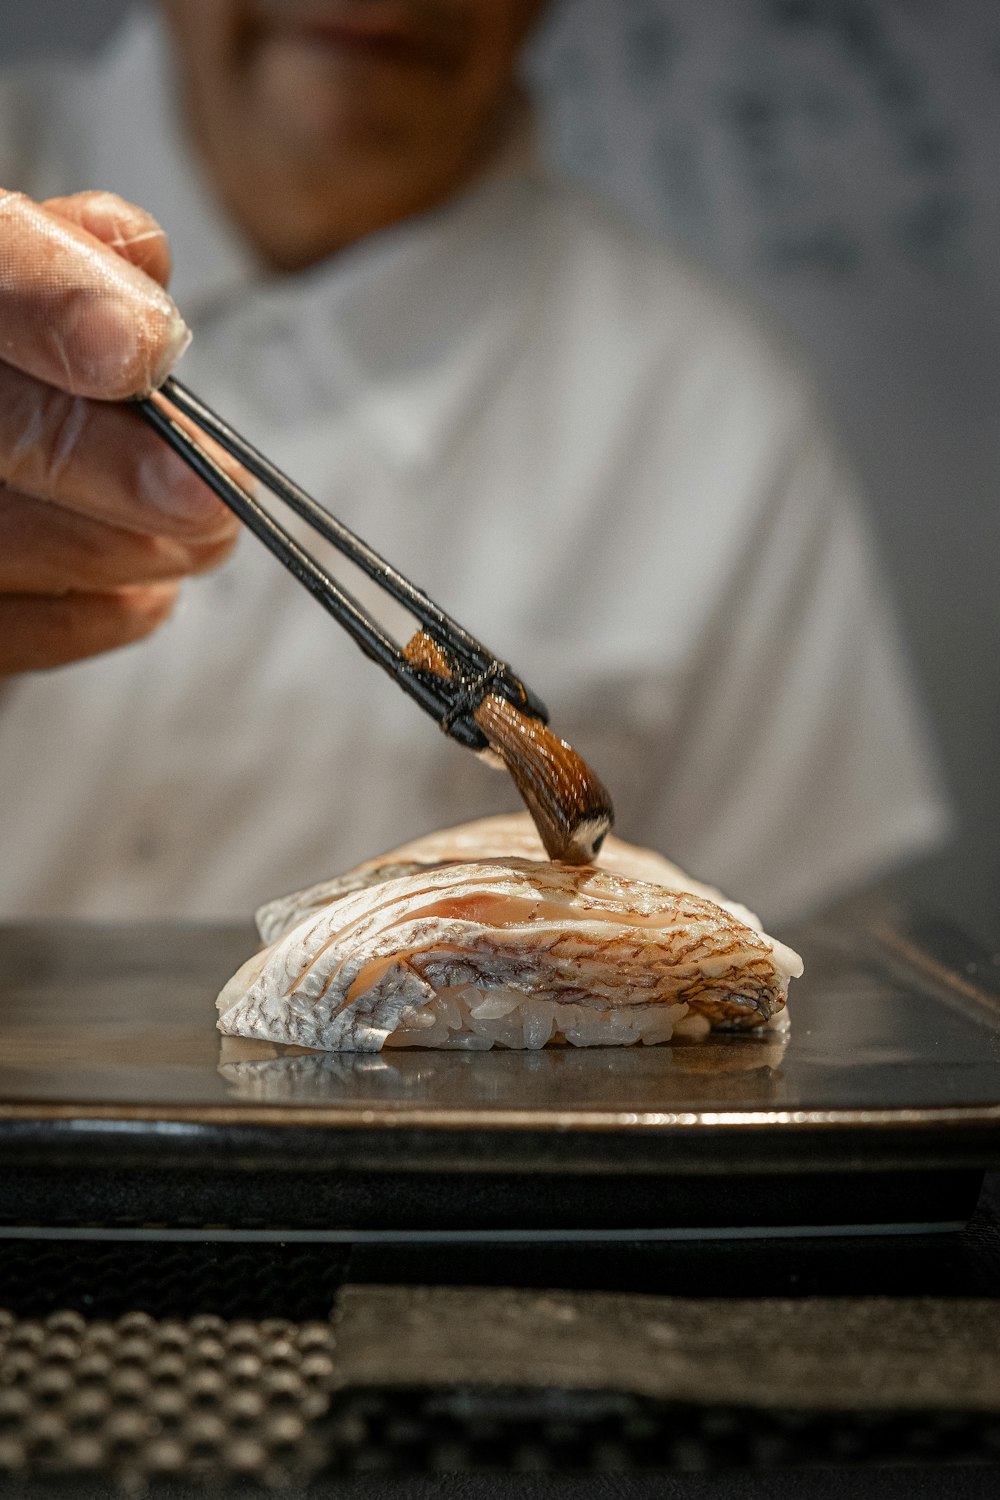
x,y
322,120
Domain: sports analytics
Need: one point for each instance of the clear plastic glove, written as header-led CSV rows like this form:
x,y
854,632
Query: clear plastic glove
x,y
98,518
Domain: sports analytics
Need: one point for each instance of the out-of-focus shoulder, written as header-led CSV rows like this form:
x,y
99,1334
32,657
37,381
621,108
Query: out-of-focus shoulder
x,y
650,291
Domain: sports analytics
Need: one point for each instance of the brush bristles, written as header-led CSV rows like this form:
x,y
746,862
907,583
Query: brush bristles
x,y
570,806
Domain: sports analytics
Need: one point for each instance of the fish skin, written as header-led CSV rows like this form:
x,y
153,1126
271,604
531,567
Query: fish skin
x,y
508,835
347,965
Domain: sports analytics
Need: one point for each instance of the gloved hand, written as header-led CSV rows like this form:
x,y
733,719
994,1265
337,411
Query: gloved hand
x,y
98,518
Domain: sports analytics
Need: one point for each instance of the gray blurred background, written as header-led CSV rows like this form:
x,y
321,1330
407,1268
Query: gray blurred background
x,y
840,160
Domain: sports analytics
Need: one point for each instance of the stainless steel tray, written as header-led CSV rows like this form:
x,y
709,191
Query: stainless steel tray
x,y
121,1106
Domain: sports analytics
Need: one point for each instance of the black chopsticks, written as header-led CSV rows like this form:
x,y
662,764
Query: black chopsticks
x,y
451,701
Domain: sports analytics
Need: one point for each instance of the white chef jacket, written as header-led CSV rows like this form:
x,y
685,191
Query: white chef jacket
x,y
601,464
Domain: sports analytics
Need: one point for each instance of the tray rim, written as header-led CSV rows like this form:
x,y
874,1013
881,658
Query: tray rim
x,y
486,1120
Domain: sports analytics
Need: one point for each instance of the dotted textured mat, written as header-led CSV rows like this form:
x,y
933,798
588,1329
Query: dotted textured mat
x,y
142,1396
209,1401
419,1380
470,1429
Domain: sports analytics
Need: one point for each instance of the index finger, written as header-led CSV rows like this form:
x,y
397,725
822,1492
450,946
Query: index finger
x,y
100,459
76,315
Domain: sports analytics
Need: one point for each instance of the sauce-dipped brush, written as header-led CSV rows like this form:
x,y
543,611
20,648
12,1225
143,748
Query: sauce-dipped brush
x,y
474,697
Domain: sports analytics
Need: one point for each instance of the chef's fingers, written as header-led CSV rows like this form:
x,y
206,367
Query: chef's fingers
x,y
127,230
101,460
37,632
45,549
77,315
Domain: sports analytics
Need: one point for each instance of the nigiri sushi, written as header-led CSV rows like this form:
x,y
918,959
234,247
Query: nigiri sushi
x,y
471,938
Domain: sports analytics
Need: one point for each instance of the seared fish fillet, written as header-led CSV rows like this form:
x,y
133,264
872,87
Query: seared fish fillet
x,y
471,938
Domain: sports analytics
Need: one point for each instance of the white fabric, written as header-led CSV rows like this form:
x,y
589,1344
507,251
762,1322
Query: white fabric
x,y
597,461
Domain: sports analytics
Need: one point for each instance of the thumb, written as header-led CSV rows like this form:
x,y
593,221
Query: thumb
x,y
75,314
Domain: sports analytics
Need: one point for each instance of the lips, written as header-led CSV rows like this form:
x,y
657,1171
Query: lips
x,y
386,32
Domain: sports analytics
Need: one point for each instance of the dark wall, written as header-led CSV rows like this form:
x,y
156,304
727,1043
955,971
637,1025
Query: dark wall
x,y
31,26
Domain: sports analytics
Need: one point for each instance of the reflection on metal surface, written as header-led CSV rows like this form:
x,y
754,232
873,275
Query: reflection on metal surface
x,y
983,999
737,1068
